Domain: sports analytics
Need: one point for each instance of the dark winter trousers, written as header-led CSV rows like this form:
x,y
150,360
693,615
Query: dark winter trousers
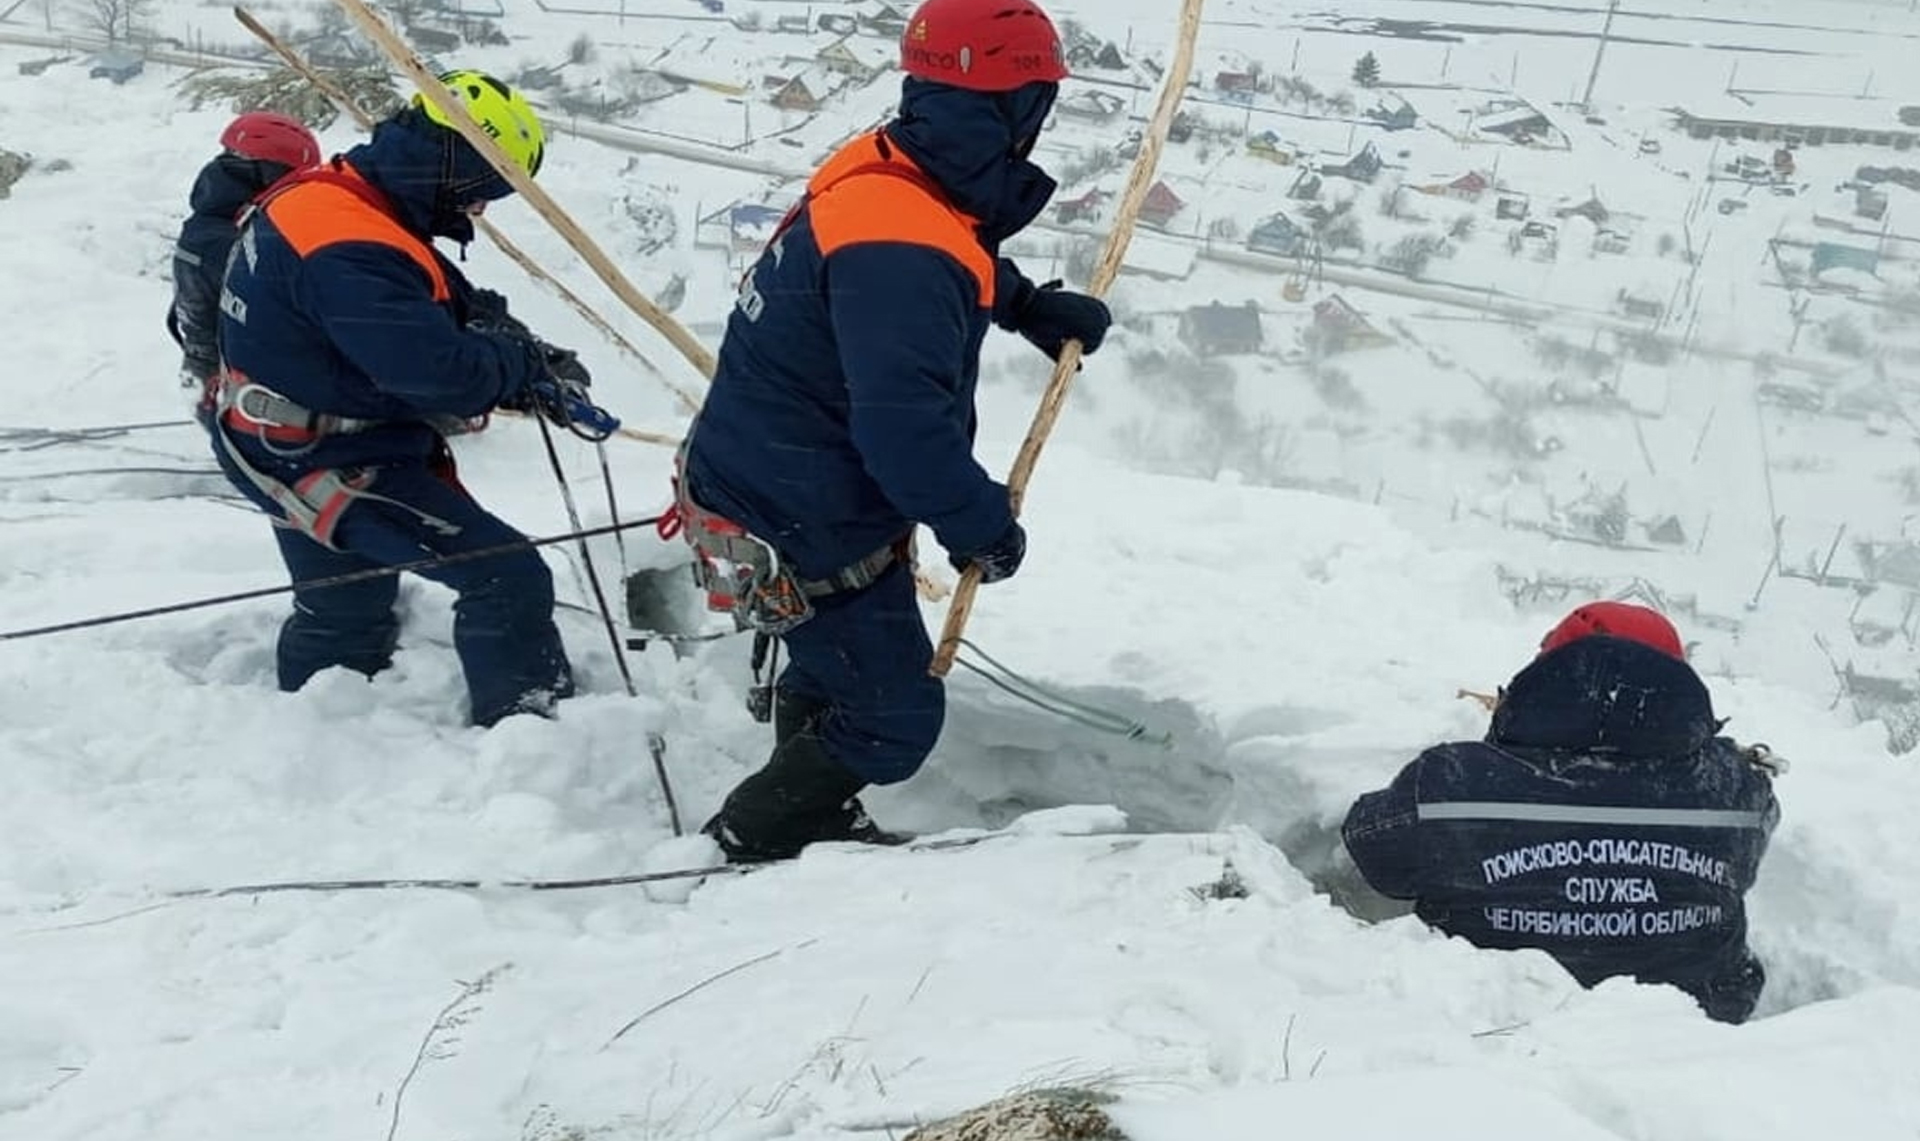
x,y
864,656
503,619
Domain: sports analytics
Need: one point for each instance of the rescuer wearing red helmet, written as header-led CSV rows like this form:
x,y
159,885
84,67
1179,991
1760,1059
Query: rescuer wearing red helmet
x,y
842,412
1603,820
1618,620
257,150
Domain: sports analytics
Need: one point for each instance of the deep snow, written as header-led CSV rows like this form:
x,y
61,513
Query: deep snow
x,y
1298,647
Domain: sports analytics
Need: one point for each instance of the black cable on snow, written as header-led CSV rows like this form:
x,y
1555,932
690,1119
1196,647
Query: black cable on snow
x,y
332,580
208,473
656,744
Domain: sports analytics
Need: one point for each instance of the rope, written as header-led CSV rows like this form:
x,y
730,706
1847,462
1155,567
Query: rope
x,y
40,439
287,887
456,884
656,744
1059,704
409,883
207,473
100,432
332,580
613,508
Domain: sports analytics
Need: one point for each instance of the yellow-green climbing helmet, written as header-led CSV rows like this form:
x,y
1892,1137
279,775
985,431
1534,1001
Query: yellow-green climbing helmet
x,y
501,112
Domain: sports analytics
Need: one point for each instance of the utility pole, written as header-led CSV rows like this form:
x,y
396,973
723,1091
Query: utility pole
x,y
1606,30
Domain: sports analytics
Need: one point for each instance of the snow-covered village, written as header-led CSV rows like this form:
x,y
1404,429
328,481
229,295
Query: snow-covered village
x,y
1247,567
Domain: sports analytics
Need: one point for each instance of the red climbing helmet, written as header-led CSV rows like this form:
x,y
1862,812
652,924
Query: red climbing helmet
x,y
982,45
272,137
1617,620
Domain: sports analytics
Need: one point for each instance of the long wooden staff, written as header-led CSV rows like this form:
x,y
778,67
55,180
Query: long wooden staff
x,y
1154,140
542,202
534,270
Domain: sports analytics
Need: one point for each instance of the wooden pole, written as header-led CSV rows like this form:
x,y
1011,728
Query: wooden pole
x,y
436,93
1153,140
359,115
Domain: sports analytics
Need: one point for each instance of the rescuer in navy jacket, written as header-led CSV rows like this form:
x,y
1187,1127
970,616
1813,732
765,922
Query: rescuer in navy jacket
x,y
350,346
842,409
1603,820
257,150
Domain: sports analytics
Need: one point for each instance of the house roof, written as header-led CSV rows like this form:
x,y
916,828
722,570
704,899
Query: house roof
x,y
1366,155
1162,199
868,52
1097,103
1590,208
1215,321
1508,118
1336,310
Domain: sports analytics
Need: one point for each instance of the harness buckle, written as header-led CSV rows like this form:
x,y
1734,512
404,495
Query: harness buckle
x,y
255,403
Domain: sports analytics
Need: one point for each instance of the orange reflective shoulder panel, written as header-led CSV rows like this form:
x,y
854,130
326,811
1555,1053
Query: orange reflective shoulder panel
x,y
876,206
315,215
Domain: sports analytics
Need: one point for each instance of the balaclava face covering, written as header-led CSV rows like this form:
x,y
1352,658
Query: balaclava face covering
x,y
975,144
465,178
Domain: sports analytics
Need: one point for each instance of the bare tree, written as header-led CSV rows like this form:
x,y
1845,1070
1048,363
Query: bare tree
x,y
406,12
120,21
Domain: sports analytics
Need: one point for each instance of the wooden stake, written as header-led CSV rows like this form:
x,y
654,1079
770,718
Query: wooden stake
x,y
1153,140
436,93
359,115
622,432
1488,701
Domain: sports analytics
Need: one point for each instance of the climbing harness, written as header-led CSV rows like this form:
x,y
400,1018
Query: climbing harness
x,y
744,575
276,421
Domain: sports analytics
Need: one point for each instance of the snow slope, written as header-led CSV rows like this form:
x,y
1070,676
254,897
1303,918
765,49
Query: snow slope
x,y
1296,647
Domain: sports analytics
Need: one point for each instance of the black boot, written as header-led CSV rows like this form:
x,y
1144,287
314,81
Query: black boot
x,y
794,714
801,796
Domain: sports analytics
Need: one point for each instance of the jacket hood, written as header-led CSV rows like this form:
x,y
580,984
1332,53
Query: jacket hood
x,y
429,173
229,182
974,145
1606,695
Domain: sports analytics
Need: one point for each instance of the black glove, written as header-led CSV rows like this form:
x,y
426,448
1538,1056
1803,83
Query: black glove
x,y
999,559
564,366
560,395
487,313
198,371
1050,316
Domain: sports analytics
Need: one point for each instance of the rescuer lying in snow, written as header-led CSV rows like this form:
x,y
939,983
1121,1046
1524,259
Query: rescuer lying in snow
x,y
1602,820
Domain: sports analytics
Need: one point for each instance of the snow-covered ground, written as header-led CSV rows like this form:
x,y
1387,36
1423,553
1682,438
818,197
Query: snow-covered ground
x,y
1287,573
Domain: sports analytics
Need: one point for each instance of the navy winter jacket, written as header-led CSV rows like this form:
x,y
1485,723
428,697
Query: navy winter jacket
x,y
222,190
338,301
842,411
1602,820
